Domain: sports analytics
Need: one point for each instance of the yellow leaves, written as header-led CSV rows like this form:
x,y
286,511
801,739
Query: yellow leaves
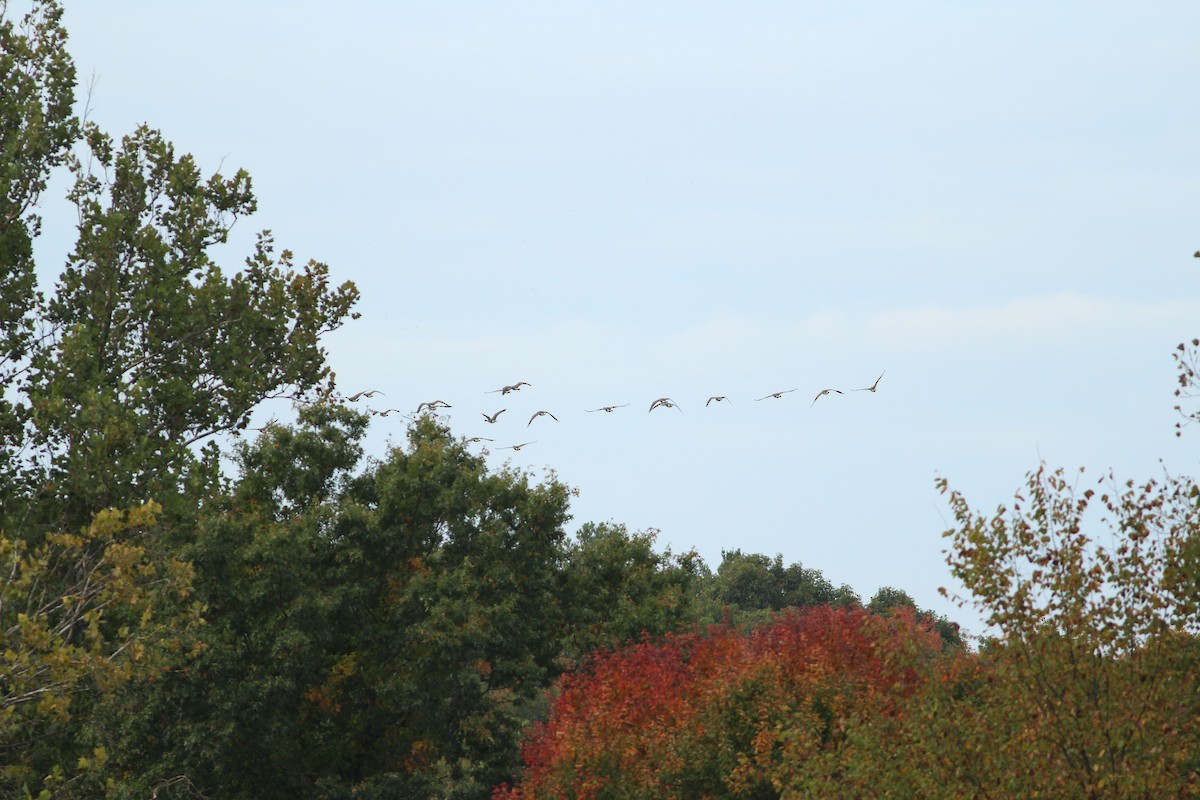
x,y
55,705
97,760
420,754
111,522
106,524
345,667
88,608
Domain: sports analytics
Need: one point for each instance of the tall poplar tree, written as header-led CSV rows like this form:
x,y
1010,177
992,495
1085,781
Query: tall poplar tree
x,y
145,348
114,383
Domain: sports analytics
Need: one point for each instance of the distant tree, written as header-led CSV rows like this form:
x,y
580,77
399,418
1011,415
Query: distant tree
x,y
888,599
618,587
757,583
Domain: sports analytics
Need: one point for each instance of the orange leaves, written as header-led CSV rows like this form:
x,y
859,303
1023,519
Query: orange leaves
x,y
726,712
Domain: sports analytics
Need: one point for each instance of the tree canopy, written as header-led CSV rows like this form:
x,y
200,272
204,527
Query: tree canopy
x,y
144,348
1084,688
115,379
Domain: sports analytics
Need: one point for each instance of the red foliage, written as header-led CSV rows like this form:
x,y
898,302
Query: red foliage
x,y
719,712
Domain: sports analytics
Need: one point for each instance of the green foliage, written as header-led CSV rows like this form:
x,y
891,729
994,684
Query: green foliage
x,y
290,470
756,583
620,588
146,347
393,628
143,351
37,82
151,348
888,598
378,634
37,128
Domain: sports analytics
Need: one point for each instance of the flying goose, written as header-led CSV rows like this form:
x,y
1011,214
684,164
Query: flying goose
x,y
516,446
874,385
434,406
665,402
516,387
608,409
366,393
824,392
539,414
492,419
717,398
776,395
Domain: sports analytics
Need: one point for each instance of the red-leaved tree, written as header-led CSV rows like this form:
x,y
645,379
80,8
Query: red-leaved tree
x,y
725,712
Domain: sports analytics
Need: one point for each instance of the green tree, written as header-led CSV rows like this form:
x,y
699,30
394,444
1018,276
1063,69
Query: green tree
x,y
753,582
113,381
619,588
146,348
381,633
888,598
37,129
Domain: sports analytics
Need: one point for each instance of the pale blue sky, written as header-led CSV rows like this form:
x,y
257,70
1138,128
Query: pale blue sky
x,y
996,203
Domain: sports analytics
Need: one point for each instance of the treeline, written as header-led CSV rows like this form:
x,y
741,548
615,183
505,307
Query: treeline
x,y
325,630
1089,688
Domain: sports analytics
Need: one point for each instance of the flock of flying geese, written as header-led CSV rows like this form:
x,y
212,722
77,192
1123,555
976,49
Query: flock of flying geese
x,y
434,406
